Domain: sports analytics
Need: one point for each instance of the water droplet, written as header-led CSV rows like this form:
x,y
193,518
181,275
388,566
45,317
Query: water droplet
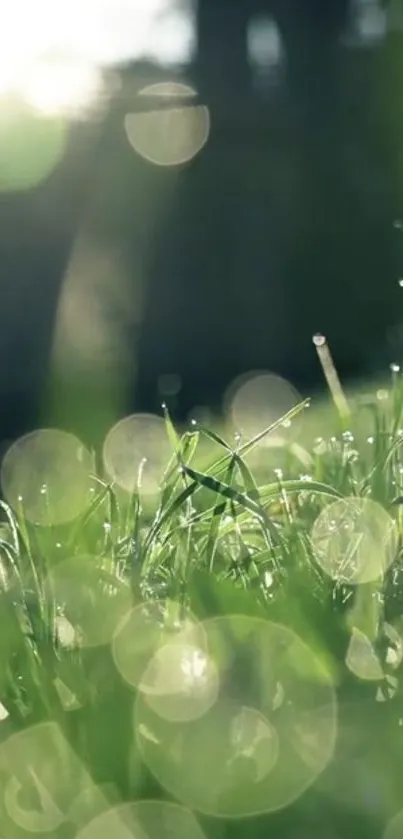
x,y
394,367
370,440
319,340
320,447
286,423
305,478
278,473
107,526
193,422
348,437
400,282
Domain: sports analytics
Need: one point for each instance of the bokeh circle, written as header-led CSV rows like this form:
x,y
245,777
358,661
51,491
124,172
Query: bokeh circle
x,y
267,737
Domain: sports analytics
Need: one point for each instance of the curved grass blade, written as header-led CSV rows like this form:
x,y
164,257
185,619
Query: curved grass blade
x,y
208,482
220,465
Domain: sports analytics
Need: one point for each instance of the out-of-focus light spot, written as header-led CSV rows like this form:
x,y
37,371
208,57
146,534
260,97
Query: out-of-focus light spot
x,y
93,598
361,658
61,87
100,307
68,699
255,740
388,689
3,713
264,43
42,778
169,136
267,737
394,652
180,683
144,820
169,384
172,38
255,401
368,23
147,628
137,449
50,471
354,540
31,146
65,632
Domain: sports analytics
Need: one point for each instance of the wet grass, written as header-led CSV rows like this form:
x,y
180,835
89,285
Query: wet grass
x,y
230,532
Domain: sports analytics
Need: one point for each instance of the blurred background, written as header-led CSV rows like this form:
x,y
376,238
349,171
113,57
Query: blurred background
x,y
188,191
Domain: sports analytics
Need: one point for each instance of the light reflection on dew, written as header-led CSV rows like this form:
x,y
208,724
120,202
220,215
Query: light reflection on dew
x,y
354,540
266,738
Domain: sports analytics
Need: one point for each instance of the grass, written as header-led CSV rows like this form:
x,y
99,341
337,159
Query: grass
x,y
230,533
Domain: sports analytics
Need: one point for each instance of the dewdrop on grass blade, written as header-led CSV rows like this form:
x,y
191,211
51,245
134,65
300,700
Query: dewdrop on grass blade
x,y
331,376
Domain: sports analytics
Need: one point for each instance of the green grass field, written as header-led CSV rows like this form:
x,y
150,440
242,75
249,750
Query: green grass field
x,y
232,643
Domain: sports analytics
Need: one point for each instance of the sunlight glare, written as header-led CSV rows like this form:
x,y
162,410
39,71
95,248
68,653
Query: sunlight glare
x,y
92,33
62,87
